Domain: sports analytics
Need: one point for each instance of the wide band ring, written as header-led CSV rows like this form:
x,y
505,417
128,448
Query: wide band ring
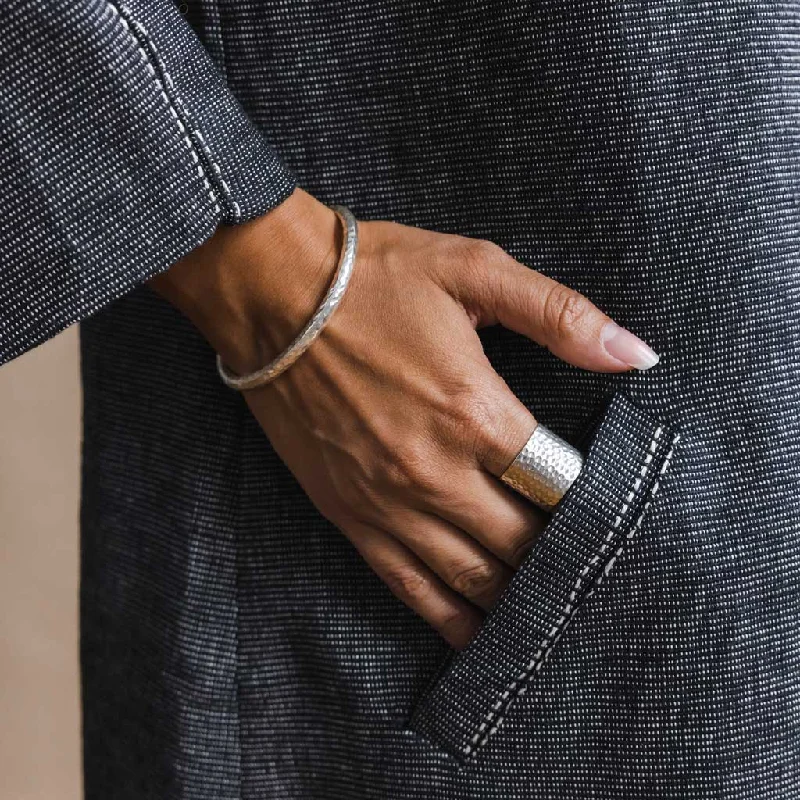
x,y
544,469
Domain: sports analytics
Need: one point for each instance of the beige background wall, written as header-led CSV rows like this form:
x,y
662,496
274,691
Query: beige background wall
x,y
39,458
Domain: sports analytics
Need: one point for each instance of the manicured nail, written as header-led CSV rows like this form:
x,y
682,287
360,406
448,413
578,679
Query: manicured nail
x,y
624,346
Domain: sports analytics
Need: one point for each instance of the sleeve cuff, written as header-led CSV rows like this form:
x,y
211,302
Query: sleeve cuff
x,y
121,150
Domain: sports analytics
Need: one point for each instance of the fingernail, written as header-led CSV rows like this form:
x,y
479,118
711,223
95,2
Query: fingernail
x,y
624,346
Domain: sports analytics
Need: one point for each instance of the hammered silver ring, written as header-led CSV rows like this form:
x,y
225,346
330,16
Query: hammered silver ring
x,y
544,468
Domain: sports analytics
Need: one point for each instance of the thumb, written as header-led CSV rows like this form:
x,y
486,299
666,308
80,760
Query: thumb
x,y
555,316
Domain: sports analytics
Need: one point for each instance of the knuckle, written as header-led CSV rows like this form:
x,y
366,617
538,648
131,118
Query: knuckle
x,y
407,583
456,627
470,410
408,462
471,265
414,470
474,417
564,310
478,256
517,547
483,425
475,580
486,251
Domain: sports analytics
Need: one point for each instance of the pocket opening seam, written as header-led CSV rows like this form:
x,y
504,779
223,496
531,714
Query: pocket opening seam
x,y
519,686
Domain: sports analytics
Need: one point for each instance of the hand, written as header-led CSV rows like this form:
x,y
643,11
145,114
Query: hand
x,y
394,421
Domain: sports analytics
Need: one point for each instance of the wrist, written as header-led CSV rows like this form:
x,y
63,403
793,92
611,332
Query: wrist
x,y
252,287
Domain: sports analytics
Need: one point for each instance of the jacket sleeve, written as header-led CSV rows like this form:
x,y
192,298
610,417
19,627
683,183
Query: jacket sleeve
x,y
121,150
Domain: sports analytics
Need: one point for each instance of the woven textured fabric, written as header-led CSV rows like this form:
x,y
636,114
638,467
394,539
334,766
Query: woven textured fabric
x,y
121,150
234,644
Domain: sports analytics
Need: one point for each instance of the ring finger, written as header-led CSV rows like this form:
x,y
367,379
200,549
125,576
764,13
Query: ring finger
x,y
464,564
493,515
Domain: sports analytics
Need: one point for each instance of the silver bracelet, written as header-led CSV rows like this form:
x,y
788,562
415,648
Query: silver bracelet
x,y
315,325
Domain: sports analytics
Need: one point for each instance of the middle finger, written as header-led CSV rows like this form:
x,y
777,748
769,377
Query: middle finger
x,y
493,514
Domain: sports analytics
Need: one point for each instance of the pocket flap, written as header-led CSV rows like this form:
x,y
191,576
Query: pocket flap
x,y
602,511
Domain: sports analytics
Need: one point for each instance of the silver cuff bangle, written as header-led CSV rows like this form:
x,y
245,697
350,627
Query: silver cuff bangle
x,y
544,469
315,325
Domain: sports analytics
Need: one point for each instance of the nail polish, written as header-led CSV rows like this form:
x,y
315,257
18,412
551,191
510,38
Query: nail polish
x,y
621,344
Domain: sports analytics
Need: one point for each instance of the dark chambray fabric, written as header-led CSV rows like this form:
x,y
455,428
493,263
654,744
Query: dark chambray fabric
x,y
234,644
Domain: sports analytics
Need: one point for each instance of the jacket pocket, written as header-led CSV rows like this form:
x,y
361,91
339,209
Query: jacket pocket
x,y
602,513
